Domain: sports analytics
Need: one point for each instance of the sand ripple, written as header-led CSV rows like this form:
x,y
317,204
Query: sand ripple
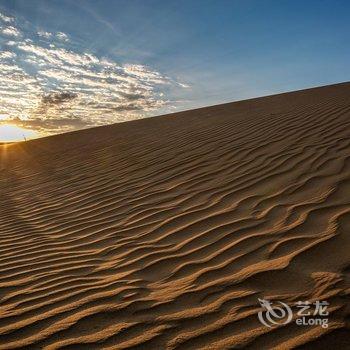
x,y
163,233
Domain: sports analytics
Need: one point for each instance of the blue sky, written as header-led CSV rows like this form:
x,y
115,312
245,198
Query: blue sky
x,y
170,55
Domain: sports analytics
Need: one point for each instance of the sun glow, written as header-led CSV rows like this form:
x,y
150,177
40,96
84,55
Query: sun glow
x,y
13,133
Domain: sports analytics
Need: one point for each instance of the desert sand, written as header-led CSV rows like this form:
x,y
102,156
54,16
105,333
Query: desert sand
x,y
162,233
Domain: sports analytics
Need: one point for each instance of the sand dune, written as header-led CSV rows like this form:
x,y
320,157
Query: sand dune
x,y
162,233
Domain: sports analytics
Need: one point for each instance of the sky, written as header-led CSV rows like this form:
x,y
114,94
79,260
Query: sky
x,y
66,65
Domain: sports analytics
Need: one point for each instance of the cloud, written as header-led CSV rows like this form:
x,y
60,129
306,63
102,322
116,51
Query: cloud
x,y
53,125
44,34
6,19
183,85
59,35
7,55
129,107
57,98
10,31
55,85
62,36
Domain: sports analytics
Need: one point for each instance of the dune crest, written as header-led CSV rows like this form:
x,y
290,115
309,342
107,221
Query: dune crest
x,y
162,233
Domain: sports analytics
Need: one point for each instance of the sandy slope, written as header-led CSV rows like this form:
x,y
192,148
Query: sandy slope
x,y
162,233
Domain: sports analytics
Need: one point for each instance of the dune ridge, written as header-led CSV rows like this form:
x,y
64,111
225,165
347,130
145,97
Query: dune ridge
x,y
162,233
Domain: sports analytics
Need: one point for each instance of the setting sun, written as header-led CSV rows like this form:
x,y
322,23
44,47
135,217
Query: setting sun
x,y
13,133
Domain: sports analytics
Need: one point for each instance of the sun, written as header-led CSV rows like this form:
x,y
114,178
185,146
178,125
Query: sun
x,y
13,133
